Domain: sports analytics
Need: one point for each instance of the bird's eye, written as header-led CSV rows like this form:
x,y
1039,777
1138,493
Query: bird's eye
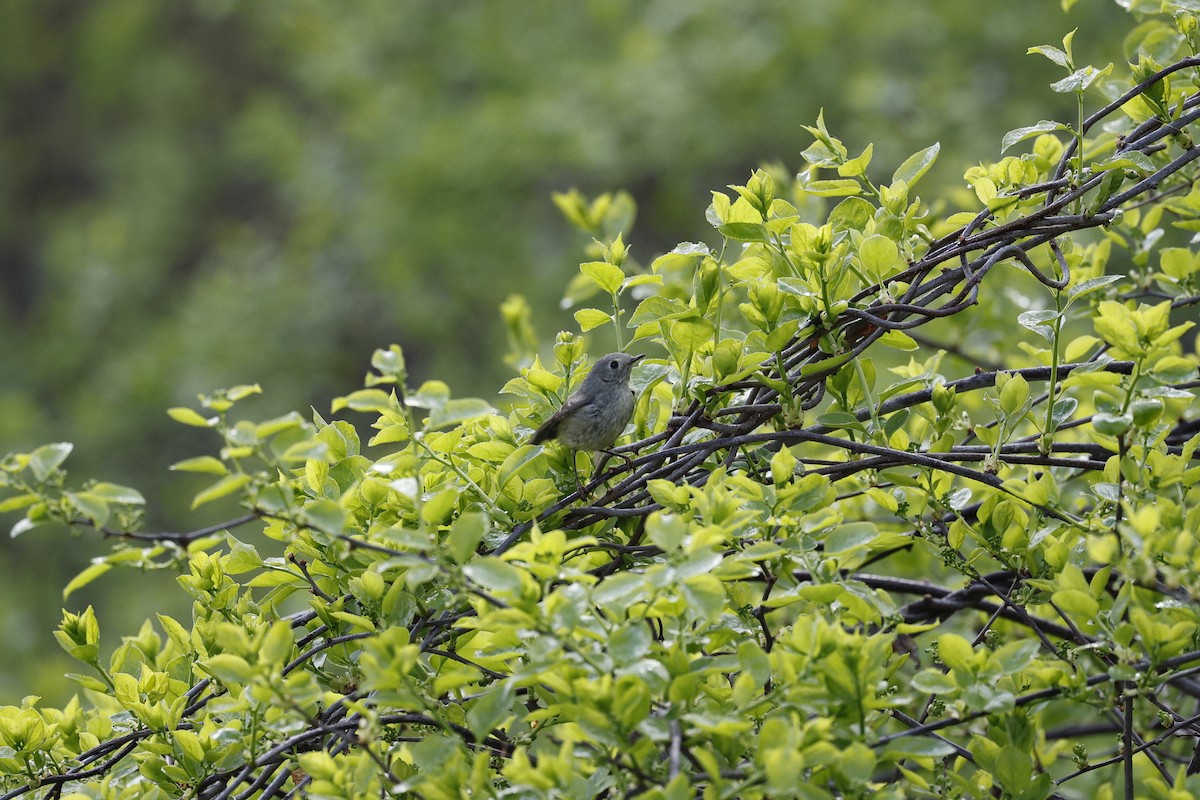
x,y
613,364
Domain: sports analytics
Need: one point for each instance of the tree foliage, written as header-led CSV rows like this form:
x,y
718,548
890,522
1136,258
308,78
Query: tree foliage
x,y
205,193
841,553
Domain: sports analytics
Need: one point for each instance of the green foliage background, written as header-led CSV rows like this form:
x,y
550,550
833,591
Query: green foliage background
x,y
199,194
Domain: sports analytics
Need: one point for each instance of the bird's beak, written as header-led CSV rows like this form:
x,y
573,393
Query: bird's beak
x,y
638,358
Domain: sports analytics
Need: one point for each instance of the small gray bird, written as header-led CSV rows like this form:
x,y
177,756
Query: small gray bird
x,y
595,415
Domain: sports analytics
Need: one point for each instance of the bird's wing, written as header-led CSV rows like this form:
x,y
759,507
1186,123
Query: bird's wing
x,y
549,428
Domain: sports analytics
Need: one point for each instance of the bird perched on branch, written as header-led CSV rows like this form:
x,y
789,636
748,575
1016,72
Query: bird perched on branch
x,y
594,416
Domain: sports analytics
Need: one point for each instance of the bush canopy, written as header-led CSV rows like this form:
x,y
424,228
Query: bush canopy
x,y
907,507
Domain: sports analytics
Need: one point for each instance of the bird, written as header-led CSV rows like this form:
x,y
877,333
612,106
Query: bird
x,y
595,415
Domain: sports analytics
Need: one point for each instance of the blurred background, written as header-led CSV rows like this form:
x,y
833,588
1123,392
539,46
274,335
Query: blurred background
x,y
204,193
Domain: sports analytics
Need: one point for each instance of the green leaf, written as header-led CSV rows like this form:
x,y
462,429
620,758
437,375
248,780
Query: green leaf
x,y
1028,132
1014,656
222,488
851,535
1178,262
685,255
1036,322
839,419
87,682
574,207
242,558
823,593
1014,394
390,362
325,515
879,255
206,464
492,450
917,164
366,400
390,434
242,391
918,747
825,365
955,652
191,417
1076,603
227,668
1112,424
1014,770
615,594
744,231
857,762
175,632
754,660
1115,324
17,502
842,187
810,491
608,277
783,465
705,594
1146,411
517,459
641,280
796,286
899,340
47,458
494,575
431,395
363,623
858,165
189,743
86,576
1064,407
278,644
490,709
1091,285
656,308
933,681
666,530
1173,369
1051,52
591,318
629,643
691,332
458,411
853,213
465,535
93,508
1080,80
114,493
667,494
1132,159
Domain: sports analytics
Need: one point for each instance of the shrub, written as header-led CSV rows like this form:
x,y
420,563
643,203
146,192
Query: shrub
x,y
907,508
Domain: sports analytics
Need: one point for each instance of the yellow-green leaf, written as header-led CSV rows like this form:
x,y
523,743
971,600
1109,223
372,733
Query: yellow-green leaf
x,y
222,488
189,416
608,277
208,464
590,318
879,255
86,576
